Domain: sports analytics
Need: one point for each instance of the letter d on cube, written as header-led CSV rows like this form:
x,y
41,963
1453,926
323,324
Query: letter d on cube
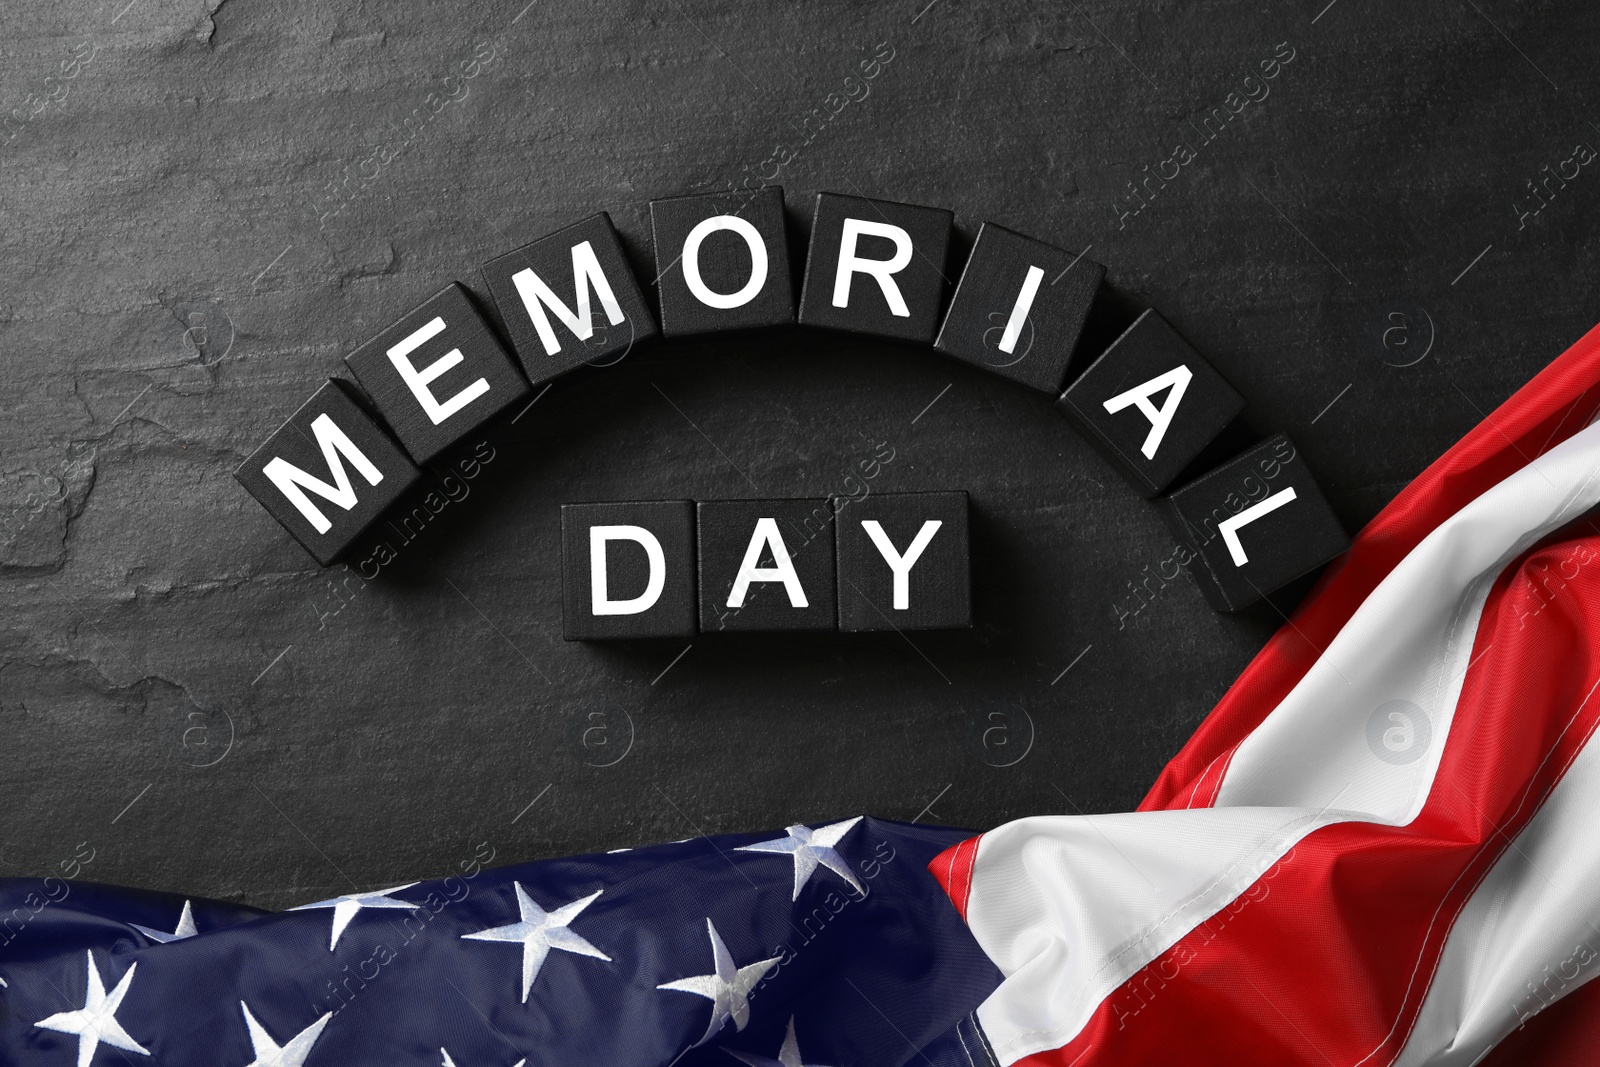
x,y
601,603
628,570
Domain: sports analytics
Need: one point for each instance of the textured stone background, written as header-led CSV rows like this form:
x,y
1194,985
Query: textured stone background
x,y
196,228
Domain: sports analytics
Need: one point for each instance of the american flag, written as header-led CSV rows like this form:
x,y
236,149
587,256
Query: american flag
x,y
821,945
1379,849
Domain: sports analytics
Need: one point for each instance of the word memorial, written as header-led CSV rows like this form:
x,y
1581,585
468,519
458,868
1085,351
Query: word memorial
x,y
1149,403
674,568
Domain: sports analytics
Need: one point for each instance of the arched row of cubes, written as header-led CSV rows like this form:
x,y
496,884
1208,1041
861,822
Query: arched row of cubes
x,y
1149,403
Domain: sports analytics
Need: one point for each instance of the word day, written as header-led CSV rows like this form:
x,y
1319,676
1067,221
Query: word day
x,y
674,568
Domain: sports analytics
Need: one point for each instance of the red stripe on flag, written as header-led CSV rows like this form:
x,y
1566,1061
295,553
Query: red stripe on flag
x,y
953,869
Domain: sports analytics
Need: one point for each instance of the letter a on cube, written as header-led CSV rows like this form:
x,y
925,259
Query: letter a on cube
x,y
1150,404
766,565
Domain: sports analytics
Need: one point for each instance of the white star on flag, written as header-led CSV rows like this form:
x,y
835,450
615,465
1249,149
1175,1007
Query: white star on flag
x,y
727,987
539,931
788,1055
185,928
812,847
448,1062
96,1022
346,907
271,1054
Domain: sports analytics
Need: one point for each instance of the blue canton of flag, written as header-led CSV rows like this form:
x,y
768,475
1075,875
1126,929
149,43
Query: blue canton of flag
x,y
825,946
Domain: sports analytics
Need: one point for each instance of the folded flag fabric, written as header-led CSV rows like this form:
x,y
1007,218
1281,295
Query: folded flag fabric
x,y
825,945
1379,849
1381,846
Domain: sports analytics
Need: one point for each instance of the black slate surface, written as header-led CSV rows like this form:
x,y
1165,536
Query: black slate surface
x,y
206,206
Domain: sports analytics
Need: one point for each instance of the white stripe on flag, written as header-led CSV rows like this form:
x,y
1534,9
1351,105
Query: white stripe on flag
x,y
1410,641
1529,935
1070,907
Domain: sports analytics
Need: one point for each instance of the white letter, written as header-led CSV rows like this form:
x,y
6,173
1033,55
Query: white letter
x,y
418,380
586,273
691,261
1229,528
1019,313
901,565
782,569
289,479
598,536
882,269
1176,379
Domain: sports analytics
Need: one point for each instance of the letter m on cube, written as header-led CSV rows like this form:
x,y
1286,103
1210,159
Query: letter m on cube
x,y
327,473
